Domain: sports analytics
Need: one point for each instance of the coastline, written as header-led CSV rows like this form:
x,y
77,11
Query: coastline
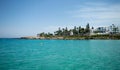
x,y
94,37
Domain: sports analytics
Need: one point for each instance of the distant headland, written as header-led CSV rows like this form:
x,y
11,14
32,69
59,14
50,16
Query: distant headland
x,y
80,33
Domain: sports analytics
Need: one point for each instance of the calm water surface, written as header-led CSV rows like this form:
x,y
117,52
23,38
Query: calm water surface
x,y
16,54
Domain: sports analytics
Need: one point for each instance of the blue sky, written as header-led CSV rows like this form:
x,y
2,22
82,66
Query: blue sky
x,y
29,17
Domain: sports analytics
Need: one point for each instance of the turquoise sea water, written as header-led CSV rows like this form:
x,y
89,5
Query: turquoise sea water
x,y
16,54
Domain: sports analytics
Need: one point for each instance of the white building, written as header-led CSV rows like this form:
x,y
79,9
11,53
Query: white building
x,y
113,29
71,32
105,30
119,29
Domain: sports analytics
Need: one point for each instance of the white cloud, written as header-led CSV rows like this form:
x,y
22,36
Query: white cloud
x,y
98,13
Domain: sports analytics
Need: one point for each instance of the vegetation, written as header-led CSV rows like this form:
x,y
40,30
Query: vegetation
x,y
77,33
65,32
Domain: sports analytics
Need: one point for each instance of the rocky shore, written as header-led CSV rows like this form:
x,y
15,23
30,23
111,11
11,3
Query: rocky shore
x,y
94,37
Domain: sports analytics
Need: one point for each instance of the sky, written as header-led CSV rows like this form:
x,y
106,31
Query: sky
x,y
28,17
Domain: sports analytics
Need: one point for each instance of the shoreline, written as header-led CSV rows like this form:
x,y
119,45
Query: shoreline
x,y
74,38
58,39
67,39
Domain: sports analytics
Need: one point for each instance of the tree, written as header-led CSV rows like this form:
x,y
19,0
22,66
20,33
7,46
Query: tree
x,y
82,31
115,30
63,32
92,27
58,32
42,34
87,30
75,31
49,34
79,30
66,31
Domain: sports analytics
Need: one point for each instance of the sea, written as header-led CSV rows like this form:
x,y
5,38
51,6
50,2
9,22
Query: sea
x,y
23,54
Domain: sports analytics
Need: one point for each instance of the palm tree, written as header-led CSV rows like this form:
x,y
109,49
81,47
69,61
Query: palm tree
x,y
87,30
75,31
79,30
